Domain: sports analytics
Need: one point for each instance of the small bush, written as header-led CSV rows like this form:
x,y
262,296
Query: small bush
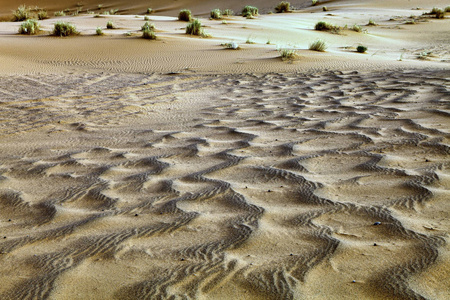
x,y
361,49
185,15
249,11
22,13
99,31
59,13
324,26
318,45
231,45
113,11
314,2
149,34
194,28
146,18
149,26
447,9
249,41
283,6
371,23
434,11
216,14
149,10
228,12
64,29
110,25
30,26
440,14
357,28
288,54
42,15
325,8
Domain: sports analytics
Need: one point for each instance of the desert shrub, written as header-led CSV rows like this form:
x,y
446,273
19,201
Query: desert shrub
x,y
194,28
42,15
249,40
149,26
434,11
324,26
59,13
224,22
185,15
447,9
110,25
64,29
30,26
231,45
22,13
113,11
106,13
228,12
314,2
283,6
440,14
361,49
371,23
357,28
249,11
216,14
325,8
149,34
149,10
318,45
288,54
410,22
146,18
99,31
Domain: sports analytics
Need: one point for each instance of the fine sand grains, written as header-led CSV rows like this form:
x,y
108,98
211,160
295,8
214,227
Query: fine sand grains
x,y
133,186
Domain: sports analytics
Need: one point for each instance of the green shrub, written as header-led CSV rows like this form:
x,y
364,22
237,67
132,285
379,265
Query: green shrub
x,y
59,13
314,2
249,11
22,13
288,54
318,45
228,12
440,14
371,23
324,26
447,9
325,8
185,15
64,29
99,31
146,18
149,26
42,15
283,6
357,28
30,26
149,34
194,28
113,11
361,49
231,45
149,10
216,14
110,25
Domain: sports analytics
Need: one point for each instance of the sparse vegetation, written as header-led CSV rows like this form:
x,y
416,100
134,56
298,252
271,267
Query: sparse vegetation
x,y
30,27
249,11
149,26
110,25
440,14
149,34
22,13
314,2
59,13
288,54
194,28
325,8
371,23
149,10
318,45
42,15
228,12
216,14
64,29
185,15
231,45
250,41
99,31
361,49
324,26
357,28
447,9
283,6
224,22
146,18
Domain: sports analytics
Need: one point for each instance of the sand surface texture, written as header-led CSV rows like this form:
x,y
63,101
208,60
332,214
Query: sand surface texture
x,y
176,169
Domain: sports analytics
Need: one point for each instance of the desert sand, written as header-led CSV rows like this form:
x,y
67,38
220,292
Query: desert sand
x,y
177,169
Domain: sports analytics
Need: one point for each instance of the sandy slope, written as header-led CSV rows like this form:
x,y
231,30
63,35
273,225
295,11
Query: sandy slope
x,y
175,169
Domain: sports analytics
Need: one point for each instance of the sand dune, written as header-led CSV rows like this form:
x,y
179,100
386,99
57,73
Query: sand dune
x,y
177,169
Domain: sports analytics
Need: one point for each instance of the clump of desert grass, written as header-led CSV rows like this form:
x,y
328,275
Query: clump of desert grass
x,y
361,49
149,10
185,15
22,13
30,26
216,14
357,28
227,12
325,26
149,26
42,15
195,28
231,46
283,6
371,23
110,25
318,45
314,2
447,9
288,54
438,12
325,8
64,29
148,34
60,13
99,31
249,11
146,18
